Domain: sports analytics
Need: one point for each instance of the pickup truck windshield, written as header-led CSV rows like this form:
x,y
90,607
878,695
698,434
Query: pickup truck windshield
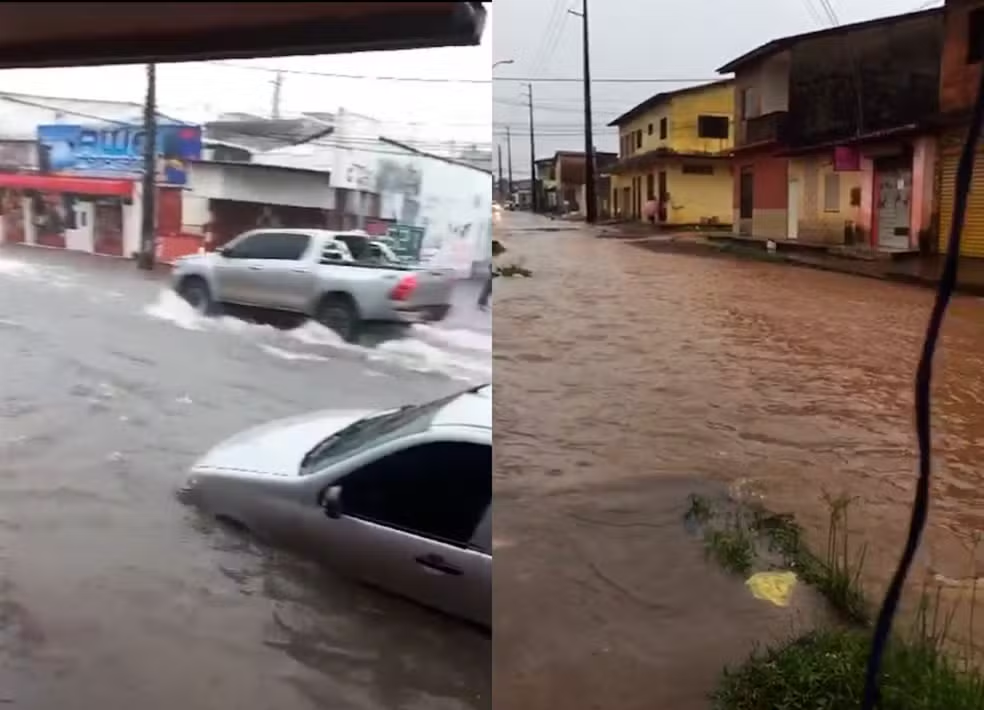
x,y
374,429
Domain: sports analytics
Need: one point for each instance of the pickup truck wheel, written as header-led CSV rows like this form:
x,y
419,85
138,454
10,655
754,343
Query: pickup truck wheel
x,y
339,314
196,292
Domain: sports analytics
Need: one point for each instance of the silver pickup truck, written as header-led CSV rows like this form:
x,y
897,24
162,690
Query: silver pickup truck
x,y
313,272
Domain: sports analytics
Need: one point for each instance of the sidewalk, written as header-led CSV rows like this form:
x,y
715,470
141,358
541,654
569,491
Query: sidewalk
x,y
918,271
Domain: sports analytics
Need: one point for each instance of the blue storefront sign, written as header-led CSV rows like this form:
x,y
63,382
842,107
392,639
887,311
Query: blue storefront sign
x,y
117,151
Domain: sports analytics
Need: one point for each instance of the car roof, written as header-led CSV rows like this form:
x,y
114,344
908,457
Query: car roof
x,y
472,409
318,233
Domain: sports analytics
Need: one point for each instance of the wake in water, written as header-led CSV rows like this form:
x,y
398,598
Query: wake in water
x,y
460,354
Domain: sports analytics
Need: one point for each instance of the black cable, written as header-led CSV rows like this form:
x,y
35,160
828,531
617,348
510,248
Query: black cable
x,y
924,377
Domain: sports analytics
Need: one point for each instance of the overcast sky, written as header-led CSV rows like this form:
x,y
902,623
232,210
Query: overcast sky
x,y
670,39
459,110
630,39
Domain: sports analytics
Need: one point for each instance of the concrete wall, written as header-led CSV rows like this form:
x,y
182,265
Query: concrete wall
x,y
450,201
897,63
958,79
820,220
770,193
699,199
766,84
681,113
717,100
924,170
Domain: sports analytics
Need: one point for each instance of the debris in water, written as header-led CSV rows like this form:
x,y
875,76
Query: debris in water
x,y
775,587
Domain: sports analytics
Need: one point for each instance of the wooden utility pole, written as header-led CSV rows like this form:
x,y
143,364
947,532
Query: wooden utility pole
x,y
534,197
148,221
509,184
590,184
498,186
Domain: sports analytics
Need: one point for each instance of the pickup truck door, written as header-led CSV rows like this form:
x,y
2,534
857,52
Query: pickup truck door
x,y
237,270
284,276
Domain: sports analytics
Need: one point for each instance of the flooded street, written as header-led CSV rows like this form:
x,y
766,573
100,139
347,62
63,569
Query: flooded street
x,y
112,595
626,379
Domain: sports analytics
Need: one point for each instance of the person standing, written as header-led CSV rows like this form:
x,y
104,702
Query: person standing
x,y
483,297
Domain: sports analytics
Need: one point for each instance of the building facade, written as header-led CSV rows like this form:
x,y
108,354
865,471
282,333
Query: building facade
x,y
836,140
675,155
963,51
378,184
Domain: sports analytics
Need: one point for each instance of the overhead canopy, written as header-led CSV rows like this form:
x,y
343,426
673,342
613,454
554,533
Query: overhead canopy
x,y
43,34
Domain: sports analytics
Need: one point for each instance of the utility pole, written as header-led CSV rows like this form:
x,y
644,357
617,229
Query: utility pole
x,y
498,188
278,85
148,222
509,184
534,197
590,184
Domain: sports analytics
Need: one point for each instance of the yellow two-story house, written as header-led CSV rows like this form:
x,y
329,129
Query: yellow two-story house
x,y
675,152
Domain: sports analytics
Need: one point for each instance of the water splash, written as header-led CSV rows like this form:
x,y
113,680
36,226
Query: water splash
x,y
458,354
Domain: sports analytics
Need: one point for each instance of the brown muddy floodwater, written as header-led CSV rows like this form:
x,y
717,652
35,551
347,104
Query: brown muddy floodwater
x,y
626,379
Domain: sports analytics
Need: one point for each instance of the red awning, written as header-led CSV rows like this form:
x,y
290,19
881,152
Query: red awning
x,y
61,183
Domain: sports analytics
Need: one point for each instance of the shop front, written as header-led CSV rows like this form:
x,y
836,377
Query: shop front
x,y
79,214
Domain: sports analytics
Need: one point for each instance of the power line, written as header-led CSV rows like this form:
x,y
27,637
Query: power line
x,y
553,20
554,42
565,80
334,75
828,8
814,13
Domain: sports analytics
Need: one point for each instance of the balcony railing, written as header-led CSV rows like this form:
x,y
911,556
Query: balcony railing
x,y
761,129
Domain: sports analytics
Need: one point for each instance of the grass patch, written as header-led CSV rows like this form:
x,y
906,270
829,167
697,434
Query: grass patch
x,y
734,549
742,539
825,669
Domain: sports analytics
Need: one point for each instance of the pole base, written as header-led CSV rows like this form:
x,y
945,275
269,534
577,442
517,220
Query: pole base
x,y
145,260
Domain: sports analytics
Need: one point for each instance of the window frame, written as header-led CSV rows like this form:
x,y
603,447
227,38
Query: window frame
x,y
664,128
697,169
235,249
402,448
705,121
975,40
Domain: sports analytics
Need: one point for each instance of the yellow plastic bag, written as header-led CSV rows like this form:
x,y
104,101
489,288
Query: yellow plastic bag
x,y
775,587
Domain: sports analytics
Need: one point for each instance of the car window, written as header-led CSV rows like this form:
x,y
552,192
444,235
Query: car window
x,y
282,246
438,490
358,246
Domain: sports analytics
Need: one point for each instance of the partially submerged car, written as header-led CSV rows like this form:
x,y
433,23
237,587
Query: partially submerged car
x,y
401,498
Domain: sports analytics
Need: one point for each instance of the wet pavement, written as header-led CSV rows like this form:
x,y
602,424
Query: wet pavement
x,y
626,378
112,595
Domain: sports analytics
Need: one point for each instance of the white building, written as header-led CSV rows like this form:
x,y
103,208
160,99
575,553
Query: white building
x,y
395,183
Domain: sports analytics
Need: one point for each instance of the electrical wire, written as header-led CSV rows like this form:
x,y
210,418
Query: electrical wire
x,y
359,77
630,80
923,389
554,20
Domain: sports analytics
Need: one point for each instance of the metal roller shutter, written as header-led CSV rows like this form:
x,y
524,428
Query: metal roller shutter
x,y
972,243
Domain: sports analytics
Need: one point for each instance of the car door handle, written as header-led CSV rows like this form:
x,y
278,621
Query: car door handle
x,y
254,267
436,563
299,271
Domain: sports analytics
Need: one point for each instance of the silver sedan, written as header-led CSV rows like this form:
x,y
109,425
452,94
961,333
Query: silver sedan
x,y
401,499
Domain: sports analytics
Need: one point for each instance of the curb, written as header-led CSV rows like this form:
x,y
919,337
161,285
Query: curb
x,y
711,250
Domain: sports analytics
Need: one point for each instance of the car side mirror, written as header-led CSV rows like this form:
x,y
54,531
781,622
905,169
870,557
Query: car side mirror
x,y
226,252
331,502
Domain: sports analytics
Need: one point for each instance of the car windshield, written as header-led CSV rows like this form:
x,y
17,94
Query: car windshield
x,y
375,428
